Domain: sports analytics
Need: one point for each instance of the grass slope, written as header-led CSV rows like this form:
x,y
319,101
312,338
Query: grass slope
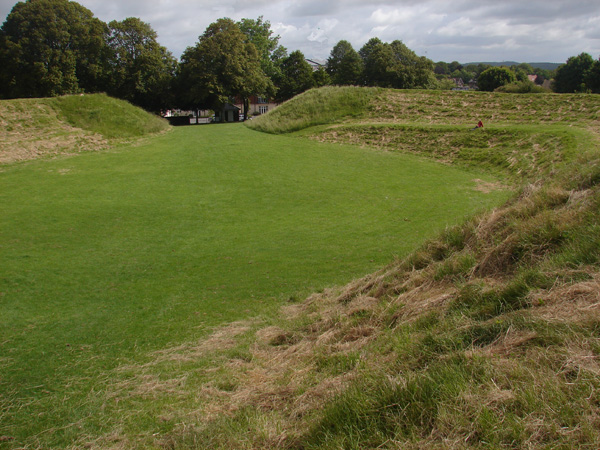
x,y
34,128
484,337
316,107
117,266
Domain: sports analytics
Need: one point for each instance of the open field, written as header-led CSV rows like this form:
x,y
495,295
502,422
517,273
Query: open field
x,y
120,267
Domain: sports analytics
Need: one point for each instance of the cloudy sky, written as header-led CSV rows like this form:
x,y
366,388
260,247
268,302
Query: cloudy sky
x,y
442,30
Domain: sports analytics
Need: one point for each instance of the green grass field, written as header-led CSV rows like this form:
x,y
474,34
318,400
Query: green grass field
x,y
110,256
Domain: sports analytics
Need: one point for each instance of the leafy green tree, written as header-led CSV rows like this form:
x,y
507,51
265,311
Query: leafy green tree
x,y
525,67
51,47
377,60
494,77
571,76
321,77
344,64
141,69
410,70
367,49
270,52
592,78
520,73
542,75
222,65
442,68
454,65
395,65
297,76
463,74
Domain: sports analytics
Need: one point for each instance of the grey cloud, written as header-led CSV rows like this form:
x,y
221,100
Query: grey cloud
x,y
459,30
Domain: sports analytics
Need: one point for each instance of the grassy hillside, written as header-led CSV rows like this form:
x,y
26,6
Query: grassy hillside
x,y
114,262
460,109
35,128
316,107
484,337
142,290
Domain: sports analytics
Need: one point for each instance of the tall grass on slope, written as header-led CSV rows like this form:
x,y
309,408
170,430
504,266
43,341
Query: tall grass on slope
x,y
518,152
466,108
40,128
110,117
316,107
485,337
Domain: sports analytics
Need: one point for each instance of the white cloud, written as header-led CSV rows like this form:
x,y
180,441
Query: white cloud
x,y
463,30
395,16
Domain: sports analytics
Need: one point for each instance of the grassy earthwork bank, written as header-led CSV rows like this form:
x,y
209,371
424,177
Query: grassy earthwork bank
x,y
42,128
355,269
133,280
486,336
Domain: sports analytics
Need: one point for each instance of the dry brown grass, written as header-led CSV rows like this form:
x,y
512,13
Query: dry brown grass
x,y
469,107
570,303
35,132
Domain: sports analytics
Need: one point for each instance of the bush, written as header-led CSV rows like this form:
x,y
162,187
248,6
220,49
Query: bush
x,y
494,77
521,87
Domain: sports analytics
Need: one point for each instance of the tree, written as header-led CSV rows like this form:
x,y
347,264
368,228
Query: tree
x,y
410,70
571,76
297,76
223,64
321,77
442,68
592,78
141,69
494,77
454,65
395,65
51,47
259,33
344,64
377,58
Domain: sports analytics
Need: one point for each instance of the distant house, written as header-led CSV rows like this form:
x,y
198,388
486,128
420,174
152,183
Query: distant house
x,y
459,83
257,105
315,64
532,78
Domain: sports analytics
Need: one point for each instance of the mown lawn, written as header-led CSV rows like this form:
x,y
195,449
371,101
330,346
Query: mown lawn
x,y
105,257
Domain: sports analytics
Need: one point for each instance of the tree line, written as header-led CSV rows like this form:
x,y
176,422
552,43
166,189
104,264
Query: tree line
x,y
57,47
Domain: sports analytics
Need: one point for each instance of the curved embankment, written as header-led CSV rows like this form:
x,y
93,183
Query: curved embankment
x,y
486,337
36,128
